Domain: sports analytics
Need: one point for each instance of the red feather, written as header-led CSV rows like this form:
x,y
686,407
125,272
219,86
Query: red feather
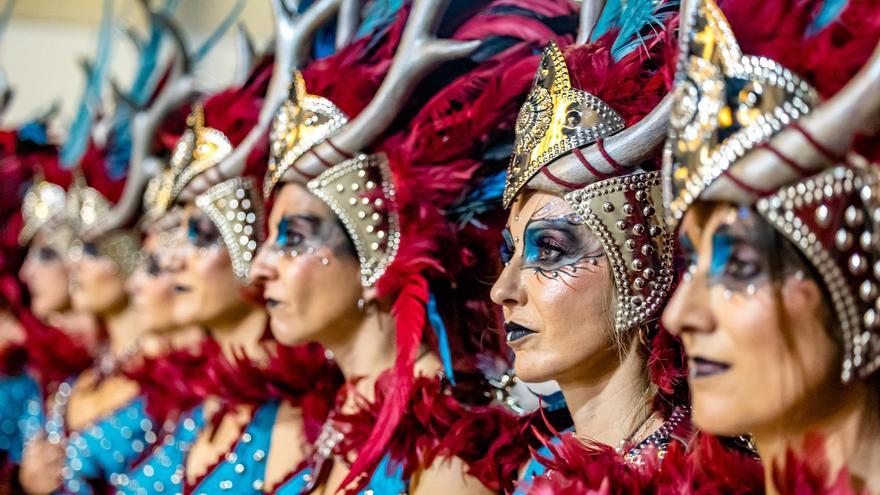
x,y
409,316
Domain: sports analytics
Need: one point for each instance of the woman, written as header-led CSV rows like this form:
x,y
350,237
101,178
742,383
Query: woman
x,y
105,413
776,209
588,260
353,258
249,384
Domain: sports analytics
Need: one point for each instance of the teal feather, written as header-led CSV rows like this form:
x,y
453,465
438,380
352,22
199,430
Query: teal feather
x,y
80,130
831,10
636,22
378,14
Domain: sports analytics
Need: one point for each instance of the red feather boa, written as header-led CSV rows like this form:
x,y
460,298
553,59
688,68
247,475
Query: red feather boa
x,y
435,425
171,382
706,467
53,356
300,375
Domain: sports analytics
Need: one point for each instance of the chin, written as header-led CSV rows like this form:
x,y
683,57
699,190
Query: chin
x,y
719,415
533,370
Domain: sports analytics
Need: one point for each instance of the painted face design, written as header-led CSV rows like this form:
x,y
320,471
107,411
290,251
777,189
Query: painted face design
x,y
556,279
297,234
749,312
554,247
738,262
202,234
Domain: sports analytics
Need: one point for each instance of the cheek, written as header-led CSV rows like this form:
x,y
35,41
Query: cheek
x,y
566,303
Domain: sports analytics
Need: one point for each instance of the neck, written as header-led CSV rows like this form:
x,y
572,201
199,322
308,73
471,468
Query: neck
x,y
849,430
607,401
241,333
123,331
185,338
365,351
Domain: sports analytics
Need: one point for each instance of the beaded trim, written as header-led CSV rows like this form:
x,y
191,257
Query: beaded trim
x,y
802,212
725,104
302,122
555,119
626,214
235,207
360,191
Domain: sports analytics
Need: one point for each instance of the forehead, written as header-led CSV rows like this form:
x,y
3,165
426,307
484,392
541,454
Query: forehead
x,y
536,204
296,199
704,219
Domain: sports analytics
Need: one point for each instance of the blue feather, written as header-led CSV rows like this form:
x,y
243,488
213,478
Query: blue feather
x,y
636,21
80,130
442,337
482,198
831,9
377,15
609,19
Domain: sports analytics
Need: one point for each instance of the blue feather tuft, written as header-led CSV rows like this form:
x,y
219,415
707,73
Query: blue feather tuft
x,y
377,15
831,10
636,21
442,337
484,197
80,130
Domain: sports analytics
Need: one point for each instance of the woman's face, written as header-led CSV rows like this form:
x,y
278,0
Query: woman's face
x,y
206,291
97,285
45,274
757,342
556,292
309,274
151,288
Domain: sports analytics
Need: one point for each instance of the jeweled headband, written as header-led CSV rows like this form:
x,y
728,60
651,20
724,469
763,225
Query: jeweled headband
x,y
197,150
85,205
726,104
43,202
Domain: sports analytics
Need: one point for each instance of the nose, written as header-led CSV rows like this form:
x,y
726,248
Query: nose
x,y
264,267
508,291
688,309
26,268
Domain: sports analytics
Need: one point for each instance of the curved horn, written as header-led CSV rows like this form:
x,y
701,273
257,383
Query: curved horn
x,y
179,87
628,148
590,13
420,51
853,110
347,24
246,55
292,44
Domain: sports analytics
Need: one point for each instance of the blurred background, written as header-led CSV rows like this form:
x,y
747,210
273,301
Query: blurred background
x,y
41,50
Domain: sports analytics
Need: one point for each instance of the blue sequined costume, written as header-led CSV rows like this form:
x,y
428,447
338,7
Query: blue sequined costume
x,y
16,393
108,447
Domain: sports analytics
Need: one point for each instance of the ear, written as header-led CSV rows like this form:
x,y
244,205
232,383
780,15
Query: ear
x,y
802,297
370,295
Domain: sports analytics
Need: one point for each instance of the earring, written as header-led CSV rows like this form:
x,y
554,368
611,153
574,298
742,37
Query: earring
x,y
361,304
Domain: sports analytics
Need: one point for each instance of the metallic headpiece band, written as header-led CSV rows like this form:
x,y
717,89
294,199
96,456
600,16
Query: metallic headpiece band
x,y
555,119
197,150
360,191
726,104
626,214
303,121
236,209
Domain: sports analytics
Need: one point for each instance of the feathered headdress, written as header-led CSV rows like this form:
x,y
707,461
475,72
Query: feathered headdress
x,y
395,172
770,117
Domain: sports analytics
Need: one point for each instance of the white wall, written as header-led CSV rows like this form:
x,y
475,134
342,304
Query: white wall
x,y
45,40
